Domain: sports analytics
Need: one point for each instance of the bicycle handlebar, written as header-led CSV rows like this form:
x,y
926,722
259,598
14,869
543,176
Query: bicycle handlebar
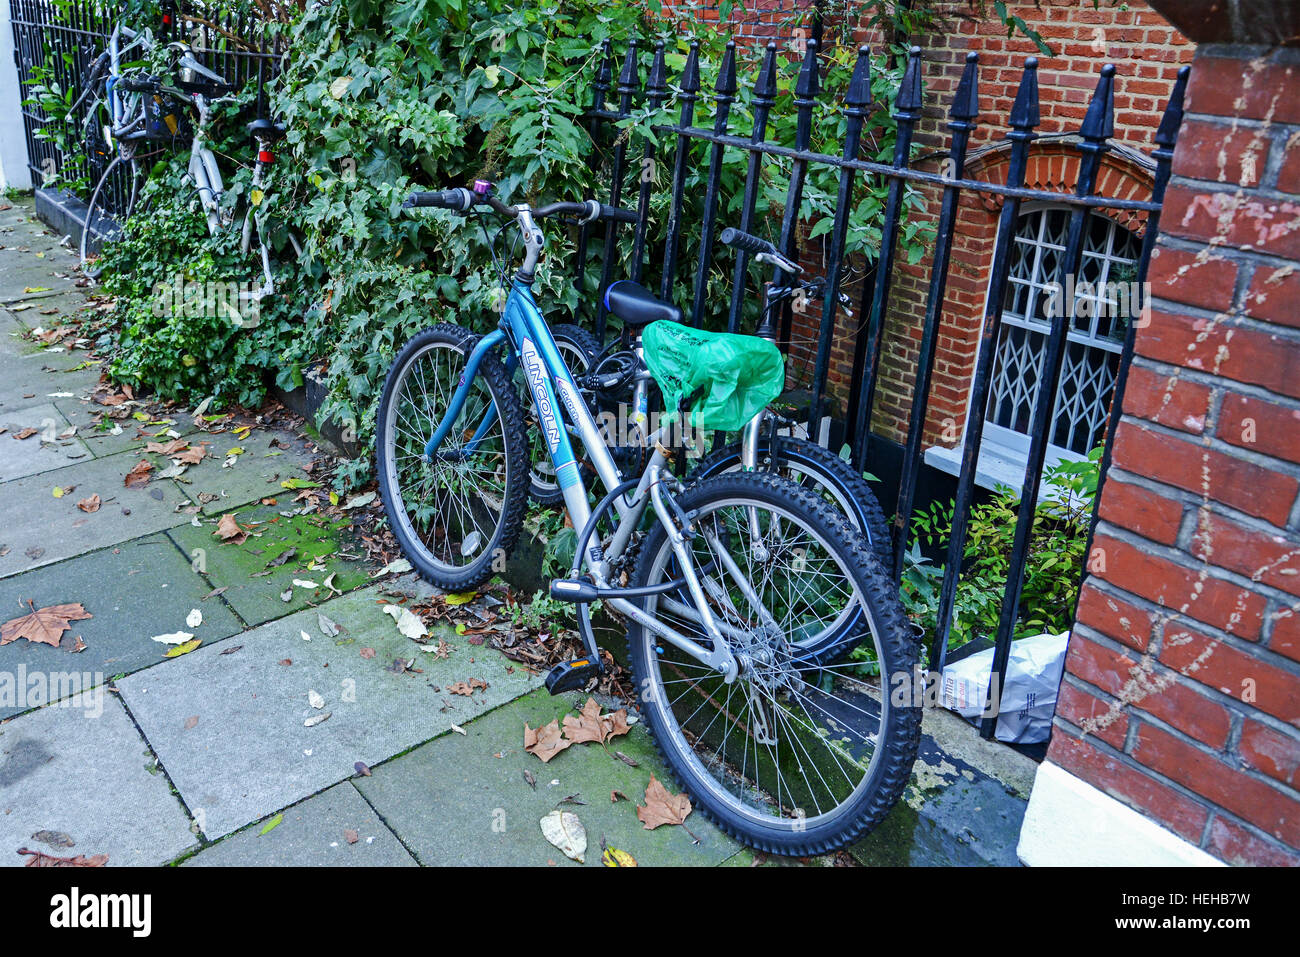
x,y
462,200
750,244
139,84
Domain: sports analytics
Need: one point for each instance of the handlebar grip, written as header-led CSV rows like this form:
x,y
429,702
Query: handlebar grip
x,y
750,244
139,84
457,199
617,214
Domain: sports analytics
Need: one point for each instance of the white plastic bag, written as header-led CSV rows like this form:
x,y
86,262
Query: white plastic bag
x,y
1034,670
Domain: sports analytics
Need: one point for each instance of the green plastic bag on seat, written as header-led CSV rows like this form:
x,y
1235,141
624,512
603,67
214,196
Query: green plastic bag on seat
x,y
738,375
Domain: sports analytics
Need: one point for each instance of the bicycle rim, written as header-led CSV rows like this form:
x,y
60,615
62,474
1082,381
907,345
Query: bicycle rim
x,y
453,507
786,747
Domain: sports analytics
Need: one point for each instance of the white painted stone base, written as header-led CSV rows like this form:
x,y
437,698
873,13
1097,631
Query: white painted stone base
x,y
1071,823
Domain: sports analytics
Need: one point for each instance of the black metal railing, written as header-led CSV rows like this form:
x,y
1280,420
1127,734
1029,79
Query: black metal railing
x,y
68,36
56,43
1093,135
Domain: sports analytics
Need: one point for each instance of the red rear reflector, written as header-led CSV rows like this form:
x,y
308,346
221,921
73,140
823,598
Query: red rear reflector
x,y
263,156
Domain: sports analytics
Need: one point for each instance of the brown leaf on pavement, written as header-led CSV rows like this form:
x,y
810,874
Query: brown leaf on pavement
x,y
545,742
39,859
89,504
44,625
662,807
350,835
591,725
191,456
138,476
25,434
228,530
168,449
468,688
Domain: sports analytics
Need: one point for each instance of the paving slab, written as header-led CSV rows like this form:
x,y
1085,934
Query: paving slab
x,y
51,446
81,770
248,753
462,799
63,530
31,375
320,549
256,474
135,590
313,834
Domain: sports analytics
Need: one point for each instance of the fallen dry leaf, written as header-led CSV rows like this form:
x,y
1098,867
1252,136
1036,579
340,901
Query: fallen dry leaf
x,y
565,831
138,476
545,742
169,449
591,725
468,688
25,434
44,625
228,530
40,859
350,835
661,806
191,456
89,504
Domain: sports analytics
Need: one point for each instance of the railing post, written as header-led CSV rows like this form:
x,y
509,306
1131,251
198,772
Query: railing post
x,y
1098,126
628,82
725,95
907,111
764,97
961,121
805,98
1024,118
600,88
656,93
856,100
690,93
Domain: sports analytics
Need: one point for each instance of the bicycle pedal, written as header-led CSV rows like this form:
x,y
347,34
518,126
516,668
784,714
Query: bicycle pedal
x,y
572,675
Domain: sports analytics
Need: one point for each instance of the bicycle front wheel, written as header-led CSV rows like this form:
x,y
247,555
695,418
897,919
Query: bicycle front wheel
x,y
790,757
456,516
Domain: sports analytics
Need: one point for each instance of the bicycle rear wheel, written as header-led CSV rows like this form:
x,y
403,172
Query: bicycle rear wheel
x,y
111,204
822,471
790,757
457,516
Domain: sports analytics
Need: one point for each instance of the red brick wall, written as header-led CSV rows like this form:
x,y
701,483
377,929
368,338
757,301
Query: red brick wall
x,y
1182,692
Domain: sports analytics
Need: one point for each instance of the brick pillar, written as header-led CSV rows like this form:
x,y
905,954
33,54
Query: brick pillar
x,y
1176,735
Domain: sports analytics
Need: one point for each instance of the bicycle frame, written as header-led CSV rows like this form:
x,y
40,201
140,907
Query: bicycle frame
x,y
533,348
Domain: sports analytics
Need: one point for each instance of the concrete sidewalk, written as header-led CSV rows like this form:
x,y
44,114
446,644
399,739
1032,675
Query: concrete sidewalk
x,y
109,747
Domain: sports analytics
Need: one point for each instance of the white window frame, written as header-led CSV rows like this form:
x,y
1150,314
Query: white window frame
x,y
1004,452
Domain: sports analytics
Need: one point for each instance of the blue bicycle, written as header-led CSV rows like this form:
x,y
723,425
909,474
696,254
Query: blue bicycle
x,y
728,585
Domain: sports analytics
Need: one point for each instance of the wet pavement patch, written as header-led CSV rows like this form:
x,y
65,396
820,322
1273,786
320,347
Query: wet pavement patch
x,y
464,799
259,574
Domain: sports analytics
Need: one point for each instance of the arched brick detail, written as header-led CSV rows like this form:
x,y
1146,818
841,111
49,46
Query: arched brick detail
x,y
1054,167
